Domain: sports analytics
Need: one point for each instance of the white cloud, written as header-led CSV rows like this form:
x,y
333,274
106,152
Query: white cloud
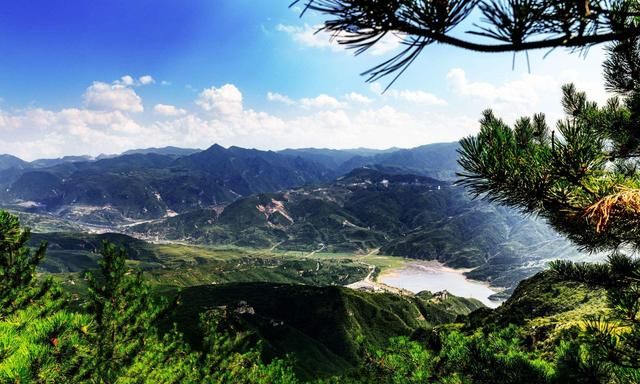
x,y
226,100
322,121
37,132
376,88
309,36
358,98
322,101
103,96
411,96
523,96
526,89
272,96
168,110
129,81
146,80
418,97
125,80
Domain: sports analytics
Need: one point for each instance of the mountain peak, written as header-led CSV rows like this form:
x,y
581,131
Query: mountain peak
x,y
216,148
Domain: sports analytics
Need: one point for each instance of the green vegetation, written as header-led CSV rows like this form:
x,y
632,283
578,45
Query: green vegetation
x,y
577,323
536,336
384,205
114,339
241,315
121,332
148,185
323,328
367,209
173,266
584,181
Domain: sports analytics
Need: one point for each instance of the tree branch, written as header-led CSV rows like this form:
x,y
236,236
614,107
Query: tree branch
x,y
567,42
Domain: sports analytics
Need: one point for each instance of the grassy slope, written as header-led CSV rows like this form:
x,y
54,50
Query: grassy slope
x,y
320,326
546,308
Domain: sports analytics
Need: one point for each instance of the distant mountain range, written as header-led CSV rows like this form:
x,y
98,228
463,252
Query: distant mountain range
x,y
156,182
400,201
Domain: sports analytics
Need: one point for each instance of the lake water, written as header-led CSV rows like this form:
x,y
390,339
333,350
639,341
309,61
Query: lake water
x,y
434,277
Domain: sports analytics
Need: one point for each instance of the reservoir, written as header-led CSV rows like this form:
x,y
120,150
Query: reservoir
x,y
416,276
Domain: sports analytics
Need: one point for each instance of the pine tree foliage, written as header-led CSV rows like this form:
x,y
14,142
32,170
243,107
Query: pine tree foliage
x,y
124,312
17,266
495,25
617,336
116,340
482,357
583,178
40,341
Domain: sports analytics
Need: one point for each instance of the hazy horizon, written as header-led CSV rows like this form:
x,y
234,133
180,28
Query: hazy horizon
x,y
94,157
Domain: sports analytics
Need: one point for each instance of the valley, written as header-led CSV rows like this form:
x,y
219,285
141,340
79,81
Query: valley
x,y
319,253
309,201
304,260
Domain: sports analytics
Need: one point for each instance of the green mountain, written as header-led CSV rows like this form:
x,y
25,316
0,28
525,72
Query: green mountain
x,y
325,329
284,200
151,185
434,160
79,252
368,210
334,158
44,163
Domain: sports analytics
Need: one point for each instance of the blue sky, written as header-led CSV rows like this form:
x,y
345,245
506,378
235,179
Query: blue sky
x,y
80,77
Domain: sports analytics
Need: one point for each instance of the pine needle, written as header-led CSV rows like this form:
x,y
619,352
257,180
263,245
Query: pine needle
x,y
624,202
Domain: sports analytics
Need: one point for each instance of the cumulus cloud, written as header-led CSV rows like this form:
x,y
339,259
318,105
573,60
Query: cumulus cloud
x,y
418,97
129,81
526,89
376,88
523,96
37,132
103,96
272,96
306,35
125,80
146,79
226,100
387,45
168,110
411,96
358,98
322,121
322,101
